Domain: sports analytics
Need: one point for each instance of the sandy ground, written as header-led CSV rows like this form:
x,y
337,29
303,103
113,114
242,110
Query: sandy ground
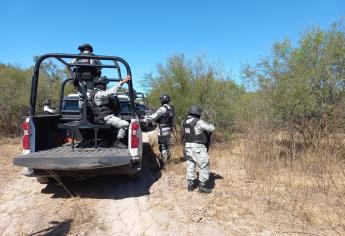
x,y
156,203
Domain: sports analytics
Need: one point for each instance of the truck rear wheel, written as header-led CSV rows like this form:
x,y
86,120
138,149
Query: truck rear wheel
x,y
44,180
135,176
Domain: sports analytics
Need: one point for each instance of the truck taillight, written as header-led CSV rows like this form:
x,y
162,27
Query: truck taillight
x,y
25,126
26,138
134,135
26,142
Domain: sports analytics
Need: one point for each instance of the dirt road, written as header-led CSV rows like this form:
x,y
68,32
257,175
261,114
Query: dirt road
x,y
156,203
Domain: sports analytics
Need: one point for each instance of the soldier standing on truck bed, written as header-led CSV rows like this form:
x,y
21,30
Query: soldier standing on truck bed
x,y
196,135
164,116
84,76
105,102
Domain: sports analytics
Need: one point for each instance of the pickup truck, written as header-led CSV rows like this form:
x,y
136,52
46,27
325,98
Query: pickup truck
x,y
47,147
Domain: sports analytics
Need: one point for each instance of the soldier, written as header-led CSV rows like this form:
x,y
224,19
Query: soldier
x,y
104,99
196,133
84,76
47,107
164,116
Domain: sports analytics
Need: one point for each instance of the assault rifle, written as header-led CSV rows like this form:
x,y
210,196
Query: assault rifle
x,y
208,144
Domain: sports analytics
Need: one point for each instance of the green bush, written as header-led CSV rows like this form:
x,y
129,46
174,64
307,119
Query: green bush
x,y
195,81
15,92
302,87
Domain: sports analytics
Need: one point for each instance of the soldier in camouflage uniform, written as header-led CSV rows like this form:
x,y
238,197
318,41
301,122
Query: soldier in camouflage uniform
x,y
196,133
84,76
164,116
104,99
47,109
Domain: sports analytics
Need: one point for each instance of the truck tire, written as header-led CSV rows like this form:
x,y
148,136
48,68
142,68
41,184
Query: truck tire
x,y
44,180
135,176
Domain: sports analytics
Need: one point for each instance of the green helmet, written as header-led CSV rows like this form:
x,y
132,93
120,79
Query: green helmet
x,y
84,46
47,102
164,98
195,110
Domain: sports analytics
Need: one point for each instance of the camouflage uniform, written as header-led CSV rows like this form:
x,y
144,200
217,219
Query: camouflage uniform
x,y
113,120
86,86
48,110
164,130
196,153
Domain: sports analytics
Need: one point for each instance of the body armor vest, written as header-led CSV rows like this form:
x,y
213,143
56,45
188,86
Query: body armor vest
x,y
109,106
189,132
83,71
167,119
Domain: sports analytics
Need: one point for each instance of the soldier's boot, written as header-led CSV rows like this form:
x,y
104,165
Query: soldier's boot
x,y
190,186
119,143
203,188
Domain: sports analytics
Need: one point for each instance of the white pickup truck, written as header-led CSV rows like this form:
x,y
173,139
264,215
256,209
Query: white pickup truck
x,y
49,144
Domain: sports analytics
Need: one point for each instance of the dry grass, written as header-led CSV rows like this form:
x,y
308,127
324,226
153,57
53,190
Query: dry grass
x,y
306,183
268,182
85,218
8,148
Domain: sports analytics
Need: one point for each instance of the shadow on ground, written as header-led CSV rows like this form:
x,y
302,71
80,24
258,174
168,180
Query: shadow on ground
x,y
213,178
57,228
111,187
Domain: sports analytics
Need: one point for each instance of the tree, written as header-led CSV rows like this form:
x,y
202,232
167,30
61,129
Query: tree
x,y
195,82
15,86
304,85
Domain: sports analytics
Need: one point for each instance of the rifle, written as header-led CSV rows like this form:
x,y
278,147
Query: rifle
x,y
208,143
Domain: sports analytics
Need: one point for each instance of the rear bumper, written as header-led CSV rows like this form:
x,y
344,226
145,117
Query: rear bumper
x,y
129,169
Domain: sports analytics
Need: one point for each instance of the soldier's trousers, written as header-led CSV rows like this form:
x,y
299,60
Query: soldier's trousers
x,y
164,146
197,156
115,121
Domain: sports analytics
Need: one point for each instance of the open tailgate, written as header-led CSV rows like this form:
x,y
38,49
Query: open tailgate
x,y
66,158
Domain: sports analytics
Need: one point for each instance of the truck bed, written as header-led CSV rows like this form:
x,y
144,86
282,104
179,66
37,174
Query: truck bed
x,y
66,158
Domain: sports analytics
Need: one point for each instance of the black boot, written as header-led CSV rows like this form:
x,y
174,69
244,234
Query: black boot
x,y
191,185
203,188
119,143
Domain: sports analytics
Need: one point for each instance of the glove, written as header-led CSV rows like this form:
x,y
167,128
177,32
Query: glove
x,y
149,120
146,120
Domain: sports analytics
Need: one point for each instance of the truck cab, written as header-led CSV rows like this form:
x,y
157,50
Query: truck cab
x,y
47,146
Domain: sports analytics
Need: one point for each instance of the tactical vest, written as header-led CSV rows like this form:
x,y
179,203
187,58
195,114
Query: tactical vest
x,y
83,71
189,132
109,106
167,119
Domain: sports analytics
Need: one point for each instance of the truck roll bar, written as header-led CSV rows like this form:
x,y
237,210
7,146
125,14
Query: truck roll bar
x,y
62,57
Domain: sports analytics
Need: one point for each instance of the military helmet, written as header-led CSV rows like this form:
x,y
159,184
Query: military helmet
x,y
101,80
47,102
165,98
195,110
84,46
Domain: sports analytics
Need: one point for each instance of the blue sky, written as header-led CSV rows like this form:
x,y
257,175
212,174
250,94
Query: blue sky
x,y
147,32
